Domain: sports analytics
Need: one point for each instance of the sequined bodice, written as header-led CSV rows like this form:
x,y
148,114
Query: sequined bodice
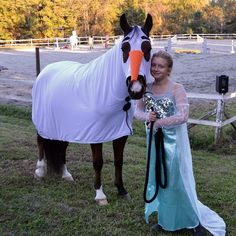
x,y
163,106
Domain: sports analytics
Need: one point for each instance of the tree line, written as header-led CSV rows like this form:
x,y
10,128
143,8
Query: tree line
x,y
20,19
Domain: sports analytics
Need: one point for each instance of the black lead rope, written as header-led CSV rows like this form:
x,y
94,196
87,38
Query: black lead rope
x,y
160,164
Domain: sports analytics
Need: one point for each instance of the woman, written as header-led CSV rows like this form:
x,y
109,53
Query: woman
x,y
165,106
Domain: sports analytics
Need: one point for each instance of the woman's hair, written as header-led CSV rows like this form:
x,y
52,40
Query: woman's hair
x,y
165,55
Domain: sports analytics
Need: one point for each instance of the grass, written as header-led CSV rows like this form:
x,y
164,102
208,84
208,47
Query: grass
x,y
56,207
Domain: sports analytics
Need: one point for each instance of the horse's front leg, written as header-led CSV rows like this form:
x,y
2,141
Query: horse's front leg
x,y
118,148
100,197
41,169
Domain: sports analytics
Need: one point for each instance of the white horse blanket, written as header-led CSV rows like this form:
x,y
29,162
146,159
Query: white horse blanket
x,y
82,102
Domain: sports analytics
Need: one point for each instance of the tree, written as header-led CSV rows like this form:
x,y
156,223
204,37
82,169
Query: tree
x,y
56,18
213,19
180,15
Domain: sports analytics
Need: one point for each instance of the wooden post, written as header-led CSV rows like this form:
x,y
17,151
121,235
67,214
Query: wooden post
x,y
219,119
37,61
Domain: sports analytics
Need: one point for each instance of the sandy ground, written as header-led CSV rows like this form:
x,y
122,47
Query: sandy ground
x,y
197,72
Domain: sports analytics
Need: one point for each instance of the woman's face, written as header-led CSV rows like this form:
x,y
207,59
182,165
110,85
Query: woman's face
x,y
159,68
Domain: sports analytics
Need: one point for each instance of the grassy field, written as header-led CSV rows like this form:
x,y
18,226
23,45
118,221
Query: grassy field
x,y
56,207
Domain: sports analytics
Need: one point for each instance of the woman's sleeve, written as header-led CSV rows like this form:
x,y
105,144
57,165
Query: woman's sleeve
x,y
182,110
139,112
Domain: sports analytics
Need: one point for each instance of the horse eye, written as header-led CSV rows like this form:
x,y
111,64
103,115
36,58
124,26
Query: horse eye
x,y
146,49
125,49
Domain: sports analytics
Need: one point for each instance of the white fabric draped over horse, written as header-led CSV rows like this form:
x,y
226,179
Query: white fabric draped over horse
x,y
83,102
91,103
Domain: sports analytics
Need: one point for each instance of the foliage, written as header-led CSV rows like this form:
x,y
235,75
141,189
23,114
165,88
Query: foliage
x,y
55,18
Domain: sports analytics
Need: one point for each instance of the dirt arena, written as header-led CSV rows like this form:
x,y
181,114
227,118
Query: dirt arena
x,y
197,72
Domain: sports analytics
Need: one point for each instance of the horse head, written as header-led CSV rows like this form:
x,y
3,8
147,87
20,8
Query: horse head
x,y
136,50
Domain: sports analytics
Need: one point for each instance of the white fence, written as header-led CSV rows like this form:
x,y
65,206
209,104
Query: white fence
x,y
56,42
205,43
219,113
196,44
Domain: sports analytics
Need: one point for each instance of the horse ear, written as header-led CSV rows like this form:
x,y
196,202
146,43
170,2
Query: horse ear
x,y
125,25
147,25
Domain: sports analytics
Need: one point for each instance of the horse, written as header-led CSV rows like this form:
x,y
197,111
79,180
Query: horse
x,y
91,103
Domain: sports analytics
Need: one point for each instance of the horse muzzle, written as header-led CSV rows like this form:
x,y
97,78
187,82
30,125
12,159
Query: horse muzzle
x,y
136,88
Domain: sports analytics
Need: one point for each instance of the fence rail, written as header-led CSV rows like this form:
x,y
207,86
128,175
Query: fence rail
x,y
56,42
63,42
219,113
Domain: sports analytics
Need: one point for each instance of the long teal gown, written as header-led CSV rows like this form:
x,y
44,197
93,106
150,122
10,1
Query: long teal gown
x,y
177,205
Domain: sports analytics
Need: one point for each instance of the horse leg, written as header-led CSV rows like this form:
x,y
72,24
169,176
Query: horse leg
x,y
55,153
100,197
41,169
118,149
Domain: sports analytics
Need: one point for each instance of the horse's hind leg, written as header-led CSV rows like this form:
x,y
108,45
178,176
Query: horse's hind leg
x,y
41,169
55,152
118,148
100,197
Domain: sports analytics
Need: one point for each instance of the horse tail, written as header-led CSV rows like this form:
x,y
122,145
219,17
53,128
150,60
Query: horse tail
x,y
55,153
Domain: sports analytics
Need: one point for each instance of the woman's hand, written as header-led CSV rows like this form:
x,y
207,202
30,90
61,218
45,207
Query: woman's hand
x,y
152,116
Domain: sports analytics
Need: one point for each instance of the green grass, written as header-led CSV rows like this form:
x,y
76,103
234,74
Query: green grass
x,y
56,207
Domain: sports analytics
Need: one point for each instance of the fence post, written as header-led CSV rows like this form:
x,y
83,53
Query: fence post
x,y
219,119
232,47
37,61
168,47
200,39
57,44
204,46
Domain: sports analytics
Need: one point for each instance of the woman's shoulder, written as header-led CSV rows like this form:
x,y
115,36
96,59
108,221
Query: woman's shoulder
x,y
178,87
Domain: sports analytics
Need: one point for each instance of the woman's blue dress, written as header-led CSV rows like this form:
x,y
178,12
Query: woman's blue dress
x,y
176,205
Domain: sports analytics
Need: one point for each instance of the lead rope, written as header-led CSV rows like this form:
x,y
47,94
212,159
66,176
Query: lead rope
x,y
160,160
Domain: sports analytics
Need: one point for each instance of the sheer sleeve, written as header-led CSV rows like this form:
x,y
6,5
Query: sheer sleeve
x,y
139,112
182,110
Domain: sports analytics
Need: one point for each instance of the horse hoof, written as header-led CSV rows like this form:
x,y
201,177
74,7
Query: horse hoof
x,y
101,198
101,202
126,196
66,175
39,173
68,178
37,177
